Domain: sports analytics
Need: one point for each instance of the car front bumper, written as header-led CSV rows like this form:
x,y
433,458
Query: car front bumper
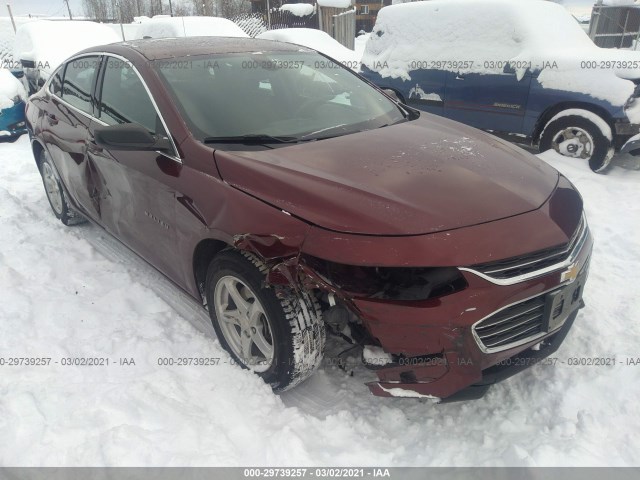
x,y
455,364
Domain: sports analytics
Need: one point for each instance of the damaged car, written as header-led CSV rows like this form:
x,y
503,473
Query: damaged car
x,y
295,199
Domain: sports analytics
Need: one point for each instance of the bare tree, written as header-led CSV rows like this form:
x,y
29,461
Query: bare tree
x,y
126,10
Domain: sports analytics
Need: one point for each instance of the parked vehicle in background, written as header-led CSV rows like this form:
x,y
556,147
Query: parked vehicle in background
x,y
42,45
165,27
291,198
524,70
12,98
317,40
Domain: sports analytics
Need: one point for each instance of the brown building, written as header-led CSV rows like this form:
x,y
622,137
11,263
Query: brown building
x,y
367,12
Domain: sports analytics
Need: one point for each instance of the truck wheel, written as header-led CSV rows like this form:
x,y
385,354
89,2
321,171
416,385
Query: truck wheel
x,y
579,134
277,332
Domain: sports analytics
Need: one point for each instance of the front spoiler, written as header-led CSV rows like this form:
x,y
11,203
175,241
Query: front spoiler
x,y
519,362
632,145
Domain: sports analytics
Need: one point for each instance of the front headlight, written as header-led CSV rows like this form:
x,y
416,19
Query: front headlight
x,y
391,283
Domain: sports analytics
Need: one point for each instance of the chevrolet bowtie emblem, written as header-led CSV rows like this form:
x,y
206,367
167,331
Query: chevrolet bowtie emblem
x,y
570,274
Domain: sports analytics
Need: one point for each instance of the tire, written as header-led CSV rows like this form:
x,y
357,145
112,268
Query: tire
x,y
287,321
55,193
579,137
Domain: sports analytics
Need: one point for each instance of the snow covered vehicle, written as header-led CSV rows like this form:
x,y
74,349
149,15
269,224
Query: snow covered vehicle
x,y
522,70
291,197
42,45
12,98
164,27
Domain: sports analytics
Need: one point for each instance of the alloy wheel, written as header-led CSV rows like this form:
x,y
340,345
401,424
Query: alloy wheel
x,y
573,142
244,323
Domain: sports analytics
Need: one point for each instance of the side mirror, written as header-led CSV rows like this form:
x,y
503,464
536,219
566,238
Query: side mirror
x,y
130,136
391,93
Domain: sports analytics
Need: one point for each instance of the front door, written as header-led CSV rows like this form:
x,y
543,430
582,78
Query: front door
x,y
137,197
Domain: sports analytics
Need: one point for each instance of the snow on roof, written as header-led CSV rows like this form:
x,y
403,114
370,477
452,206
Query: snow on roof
x,y
49,43
482,36
335,3
316,39
298,9
7,36
165,27
130,30
10,87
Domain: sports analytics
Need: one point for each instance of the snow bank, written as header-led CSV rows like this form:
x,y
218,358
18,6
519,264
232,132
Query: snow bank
x,y
10,88
530,34
49,43
316,39
298,9
164,27
335,3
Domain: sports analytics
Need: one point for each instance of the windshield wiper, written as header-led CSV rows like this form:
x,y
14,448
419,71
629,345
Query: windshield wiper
x,y
311,136
251,138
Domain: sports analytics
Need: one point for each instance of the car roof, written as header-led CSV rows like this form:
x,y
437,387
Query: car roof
x,y
163,48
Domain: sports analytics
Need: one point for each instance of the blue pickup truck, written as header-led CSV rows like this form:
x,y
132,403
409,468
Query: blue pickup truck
x,y
522,70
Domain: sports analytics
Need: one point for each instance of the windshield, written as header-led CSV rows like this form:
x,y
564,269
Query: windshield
x,y
273,96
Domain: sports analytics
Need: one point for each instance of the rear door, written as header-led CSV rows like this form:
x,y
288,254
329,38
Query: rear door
x,y
65,129
138,192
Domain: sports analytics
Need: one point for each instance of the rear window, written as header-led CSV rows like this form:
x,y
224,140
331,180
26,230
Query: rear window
x,y
55,86
79,77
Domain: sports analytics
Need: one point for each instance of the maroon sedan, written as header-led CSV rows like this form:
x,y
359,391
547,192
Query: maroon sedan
x,y
294,198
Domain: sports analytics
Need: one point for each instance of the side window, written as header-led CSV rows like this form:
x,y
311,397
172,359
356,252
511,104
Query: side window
x,y
124,98
55,86
78,81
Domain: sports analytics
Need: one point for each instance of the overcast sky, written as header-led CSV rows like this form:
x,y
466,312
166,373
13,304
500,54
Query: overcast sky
x,y
58,8
51,8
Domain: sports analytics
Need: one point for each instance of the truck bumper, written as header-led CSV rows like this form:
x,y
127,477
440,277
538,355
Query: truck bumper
x,y
632,145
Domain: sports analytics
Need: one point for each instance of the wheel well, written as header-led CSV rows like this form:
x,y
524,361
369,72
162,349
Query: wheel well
x,y
37,149
549,113
202,256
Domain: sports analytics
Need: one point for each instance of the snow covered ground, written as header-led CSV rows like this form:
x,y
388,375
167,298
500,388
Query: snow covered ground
x,y
76,292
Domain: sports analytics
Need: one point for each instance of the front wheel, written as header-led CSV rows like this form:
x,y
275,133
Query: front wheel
x,y
276,332
579,134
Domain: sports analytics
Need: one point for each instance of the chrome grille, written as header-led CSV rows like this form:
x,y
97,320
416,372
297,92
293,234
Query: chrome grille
x,y
532,262
513,325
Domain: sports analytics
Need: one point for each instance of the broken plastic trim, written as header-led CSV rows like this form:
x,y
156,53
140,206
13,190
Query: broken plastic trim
x,y
390,283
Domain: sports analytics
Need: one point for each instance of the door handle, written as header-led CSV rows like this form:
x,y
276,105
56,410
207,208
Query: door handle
x,y
459,77
51,118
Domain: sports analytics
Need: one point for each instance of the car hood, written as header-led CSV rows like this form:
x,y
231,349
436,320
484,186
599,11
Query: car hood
x,y
418,177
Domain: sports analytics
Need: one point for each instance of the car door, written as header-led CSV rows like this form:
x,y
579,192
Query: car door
x,y
425,90
65,128
491,101
137,194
